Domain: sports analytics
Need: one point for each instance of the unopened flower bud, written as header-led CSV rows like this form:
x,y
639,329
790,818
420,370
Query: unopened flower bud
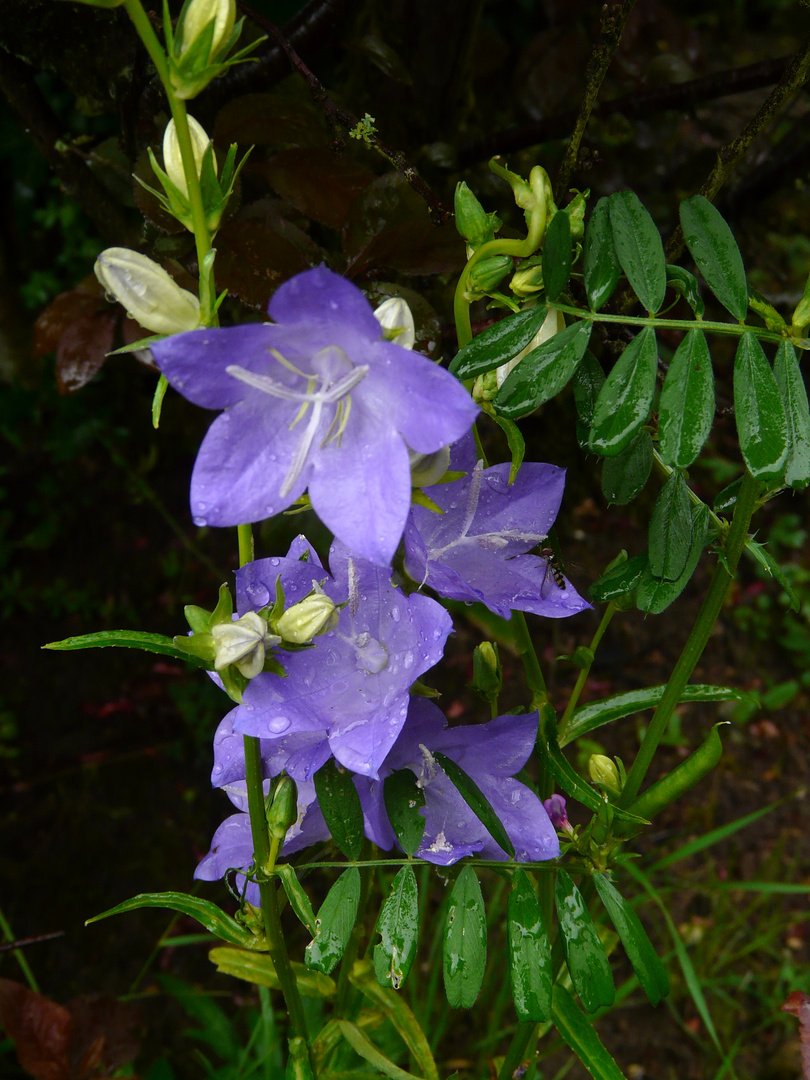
x,y
243,643
556,810
313,615
172,158
396,319
196,16
576,214
801,316
428,469
603,771
282,811
474,224
527,281
488,274
148,293
487,677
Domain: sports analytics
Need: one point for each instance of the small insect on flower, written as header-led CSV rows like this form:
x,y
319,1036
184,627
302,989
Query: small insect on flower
x,y
553,567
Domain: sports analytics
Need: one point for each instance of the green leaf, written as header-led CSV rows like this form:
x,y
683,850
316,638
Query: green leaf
x,y
398,926
589,378
207,914
215,1027
498,343
600,266
682,778
625,400
637,945
341,807
619,579
335,922
477,801
465,941
761,421
126,639
577,1031
687,402
396,1009
789,379
515,442
714,249
624,476
653,594
726,500
529,952
557,252
639,249
258,968
403,800
367,1050
597,713
543,372
709,839
299,901
671,529
585,954
685,282
760,554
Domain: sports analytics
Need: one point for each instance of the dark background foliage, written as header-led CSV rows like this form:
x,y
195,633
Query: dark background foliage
x,y
105,755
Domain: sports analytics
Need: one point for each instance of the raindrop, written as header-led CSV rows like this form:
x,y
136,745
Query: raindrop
x,y
278,724
200,522
258,594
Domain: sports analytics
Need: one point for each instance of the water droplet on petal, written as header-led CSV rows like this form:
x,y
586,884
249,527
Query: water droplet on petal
x,y
258,594
278,724
200,522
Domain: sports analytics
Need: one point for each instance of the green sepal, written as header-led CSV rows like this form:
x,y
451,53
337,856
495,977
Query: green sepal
x,y
224,610
646,964
198,619
419,498
234,682
585,954
200,645
514,440
465,941
477,801
205,912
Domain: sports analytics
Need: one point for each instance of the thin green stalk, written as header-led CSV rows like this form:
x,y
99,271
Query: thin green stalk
x,y
18,955
582,678
520,249
528,657
245,539
696,642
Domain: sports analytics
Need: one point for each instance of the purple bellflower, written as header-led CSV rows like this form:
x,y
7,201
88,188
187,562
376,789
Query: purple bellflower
x,y
477,549
347,696
316,400
490,754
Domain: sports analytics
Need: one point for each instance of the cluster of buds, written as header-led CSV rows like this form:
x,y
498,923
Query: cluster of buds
x,y
239,649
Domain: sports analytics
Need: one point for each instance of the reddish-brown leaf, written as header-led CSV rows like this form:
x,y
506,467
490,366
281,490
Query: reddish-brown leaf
x,y
277,119
318,183
104,1035
40,1030
798,1003
85,299
82,350
253,260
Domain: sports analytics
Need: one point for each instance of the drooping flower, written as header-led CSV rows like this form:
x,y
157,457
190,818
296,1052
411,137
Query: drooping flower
x,y
145,289
348,694
490,754
318,400
477,549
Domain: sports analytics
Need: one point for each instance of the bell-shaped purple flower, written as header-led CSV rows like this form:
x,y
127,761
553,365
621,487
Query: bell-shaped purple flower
x,y
477,549
316,400
349,694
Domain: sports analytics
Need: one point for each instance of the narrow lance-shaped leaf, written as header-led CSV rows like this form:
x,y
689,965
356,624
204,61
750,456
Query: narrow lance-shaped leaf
x,y
529,952
335,922
398,926
625,400
126,639
763,557
578,1032
465,941
206,913
687,402
714,249
258,968
654,594
515,442
671,529
363,1046
585,954
761,421
543,372
477,801
557,251
639,249
341,807
637,945
499,343
589,378
403,800
789,379
625,475
600,267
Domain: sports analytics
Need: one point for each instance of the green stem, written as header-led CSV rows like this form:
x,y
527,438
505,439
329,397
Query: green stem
x,y
696,643
18,955
528,657
245,539
610,611
461,305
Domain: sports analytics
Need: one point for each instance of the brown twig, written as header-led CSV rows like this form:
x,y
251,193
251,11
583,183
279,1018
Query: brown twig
x,y
640,102
337,116
612,24
792,80
30,940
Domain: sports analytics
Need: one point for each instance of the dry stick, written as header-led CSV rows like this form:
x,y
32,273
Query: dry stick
x,y
612,24
336,115
727,157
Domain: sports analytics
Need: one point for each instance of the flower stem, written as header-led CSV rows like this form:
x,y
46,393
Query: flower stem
x,y
610,611
461,305
528,657
696,642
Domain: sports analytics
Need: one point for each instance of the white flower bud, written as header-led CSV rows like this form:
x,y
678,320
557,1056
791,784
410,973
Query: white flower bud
x,y
148,293
313,615
396,319
552,324
199,13
172,158
243,643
